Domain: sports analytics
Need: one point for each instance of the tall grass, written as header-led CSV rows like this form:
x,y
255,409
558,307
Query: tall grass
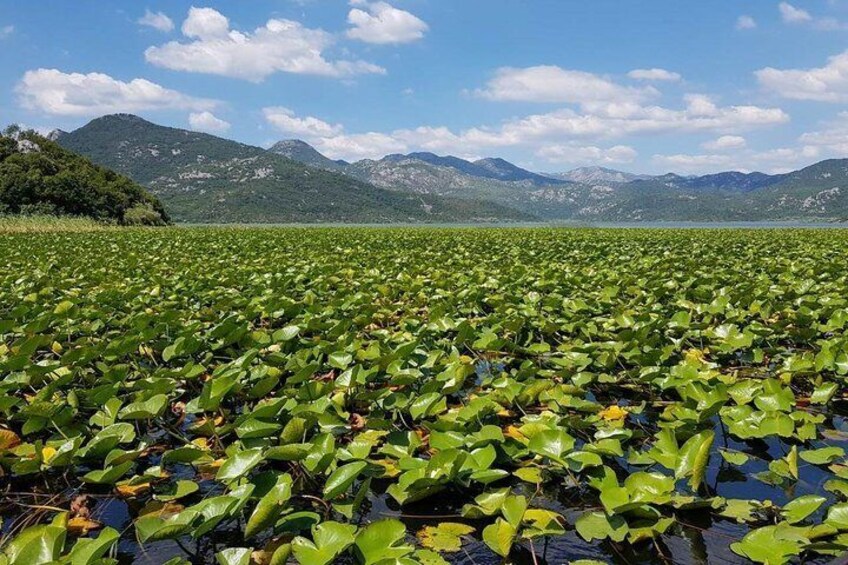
x,y
45,224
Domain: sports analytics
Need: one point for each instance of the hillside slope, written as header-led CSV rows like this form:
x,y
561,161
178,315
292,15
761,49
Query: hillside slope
x,y
819,191
203,178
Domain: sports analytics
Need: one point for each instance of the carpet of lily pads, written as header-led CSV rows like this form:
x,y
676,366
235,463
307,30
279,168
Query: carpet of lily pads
x,y
394,396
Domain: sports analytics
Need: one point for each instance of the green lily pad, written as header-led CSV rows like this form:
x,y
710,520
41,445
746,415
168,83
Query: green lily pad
x,y
446,537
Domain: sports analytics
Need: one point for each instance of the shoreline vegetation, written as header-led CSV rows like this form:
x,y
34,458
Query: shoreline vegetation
x,y
46,223
42,223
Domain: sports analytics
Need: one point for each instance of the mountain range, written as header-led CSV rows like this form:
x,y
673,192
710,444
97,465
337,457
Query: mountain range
x,y
203,178
818,192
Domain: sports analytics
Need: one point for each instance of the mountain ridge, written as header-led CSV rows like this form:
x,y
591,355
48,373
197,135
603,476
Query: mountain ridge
x,y
597,175
603,194
203,178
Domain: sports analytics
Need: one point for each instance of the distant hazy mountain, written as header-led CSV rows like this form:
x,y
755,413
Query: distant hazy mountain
x,y
202,178
504,170
411,174
602,194
302,152
494,169
449,161
817,192
596,175
443,177
490,180
732,181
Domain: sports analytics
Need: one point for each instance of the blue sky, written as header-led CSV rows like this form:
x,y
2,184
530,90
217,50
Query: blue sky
x,y
651,87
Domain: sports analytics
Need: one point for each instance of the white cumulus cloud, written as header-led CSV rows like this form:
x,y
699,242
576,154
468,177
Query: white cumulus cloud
x,y
832,139
608,120
157,20
309,127
824,84
745,22
76,94
208,122
553,135
794,15
654,75
548,83
684,163
278,46
382,23
780,160
724,143
6,31
587,154
206,23
791,14
370,145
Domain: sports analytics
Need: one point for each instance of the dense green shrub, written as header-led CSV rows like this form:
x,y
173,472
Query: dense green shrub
x,y
37,176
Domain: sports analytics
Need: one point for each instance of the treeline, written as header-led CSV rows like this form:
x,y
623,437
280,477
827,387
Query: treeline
x,y
39,177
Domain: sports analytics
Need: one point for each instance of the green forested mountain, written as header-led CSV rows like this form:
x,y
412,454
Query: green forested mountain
x,y
37,176
817,191
203,178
